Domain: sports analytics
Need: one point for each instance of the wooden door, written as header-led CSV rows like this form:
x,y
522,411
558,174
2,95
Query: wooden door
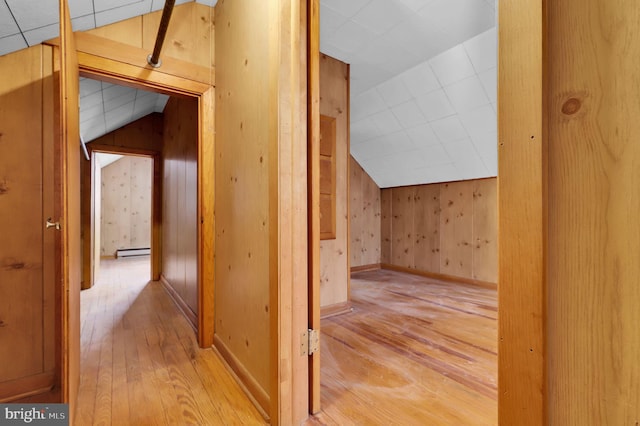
x,y
68,206
27,333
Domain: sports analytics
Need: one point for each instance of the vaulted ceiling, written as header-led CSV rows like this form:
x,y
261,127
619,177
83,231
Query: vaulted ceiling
x,y
423,78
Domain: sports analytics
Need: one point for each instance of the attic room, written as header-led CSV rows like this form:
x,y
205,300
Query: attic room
x,y
363,212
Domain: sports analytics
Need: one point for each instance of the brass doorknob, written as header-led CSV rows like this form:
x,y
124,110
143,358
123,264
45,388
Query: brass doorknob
x,y
52,224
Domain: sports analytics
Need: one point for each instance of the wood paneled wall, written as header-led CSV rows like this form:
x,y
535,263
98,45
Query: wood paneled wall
x,y
365,214
190,35
334,253
179,201
126,204
27,279
243,219
444,228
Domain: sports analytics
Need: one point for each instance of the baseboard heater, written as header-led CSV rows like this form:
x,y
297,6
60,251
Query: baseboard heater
x,y
129,252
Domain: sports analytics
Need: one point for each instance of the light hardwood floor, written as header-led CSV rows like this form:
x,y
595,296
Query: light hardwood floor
x,y
140,361
414,351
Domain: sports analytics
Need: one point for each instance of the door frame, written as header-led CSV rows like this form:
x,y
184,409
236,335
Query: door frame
x,y
106,60
88,211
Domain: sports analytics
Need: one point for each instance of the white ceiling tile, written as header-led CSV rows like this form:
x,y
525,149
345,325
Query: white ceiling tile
x,y
449,129
330,20
486,144
491,163
12,43
489,80
79,8
83,23
394,91
351,37
483,50
479,120
452,65
423,135
87,114
461,19
36,36
435,105
405,160
346,8
466,94
91,100
93,132
423,41
8,25
408,114
399,141
415,5
112,91
386,122
471,167
161,102
118,117
363,130
31,14
460,148
366,104
109,16
89,86
211,3
434,155
437,173
332,50
117,102
379,16
421,79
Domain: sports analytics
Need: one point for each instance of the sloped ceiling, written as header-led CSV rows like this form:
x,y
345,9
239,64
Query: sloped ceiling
x,y
423,85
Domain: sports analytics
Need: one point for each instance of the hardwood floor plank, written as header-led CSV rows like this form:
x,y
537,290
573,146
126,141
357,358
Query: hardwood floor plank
x,y
140,361
413,351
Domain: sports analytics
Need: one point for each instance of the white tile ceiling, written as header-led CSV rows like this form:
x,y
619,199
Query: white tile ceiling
x,y
423,86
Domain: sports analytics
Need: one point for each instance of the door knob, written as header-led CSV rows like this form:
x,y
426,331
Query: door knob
x,y
52,224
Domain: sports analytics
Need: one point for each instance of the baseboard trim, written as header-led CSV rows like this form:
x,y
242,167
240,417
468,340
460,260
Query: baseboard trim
x,y
180,303
249,385
26,386
364,268
335,309
443,277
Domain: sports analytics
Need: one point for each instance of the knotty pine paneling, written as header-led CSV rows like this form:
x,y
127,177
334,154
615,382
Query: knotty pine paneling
x,y
334,269
179,225
125,204
365,217
190,37
444,228
243,218
26,281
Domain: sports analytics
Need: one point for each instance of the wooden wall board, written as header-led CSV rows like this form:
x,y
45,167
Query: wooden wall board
x,y
456,229
386,211
365,225
356,212
485,231
427,228
334,288
402,230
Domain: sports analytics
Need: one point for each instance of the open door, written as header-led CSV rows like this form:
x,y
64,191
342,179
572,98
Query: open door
x,y
313,159
67,190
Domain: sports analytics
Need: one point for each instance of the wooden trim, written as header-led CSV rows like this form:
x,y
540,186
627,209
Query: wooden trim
x,y
522,210
245,379
363,268
101,47
107,69
330,232
180,303
438,276
26,386
313,184
348,194
335,309
156,207
206,218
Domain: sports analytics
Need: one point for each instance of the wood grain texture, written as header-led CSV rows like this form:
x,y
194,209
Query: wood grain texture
x,y
180,217
140,360
445,228
334,253
26,293
242,274
126,204
365,215
593,247
521,206
413,351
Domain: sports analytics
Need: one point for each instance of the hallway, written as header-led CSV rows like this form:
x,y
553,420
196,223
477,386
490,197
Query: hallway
x,y
140,363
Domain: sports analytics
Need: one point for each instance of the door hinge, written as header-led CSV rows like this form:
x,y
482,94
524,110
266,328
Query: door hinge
x,y
309,342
